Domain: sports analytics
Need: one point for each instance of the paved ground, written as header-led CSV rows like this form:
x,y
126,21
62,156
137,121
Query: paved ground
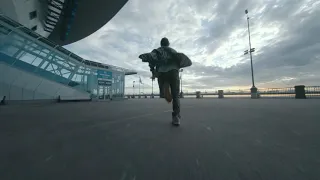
x,y
219,139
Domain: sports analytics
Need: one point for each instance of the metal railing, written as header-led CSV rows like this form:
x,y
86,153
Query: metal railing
x,y
312,92
288,92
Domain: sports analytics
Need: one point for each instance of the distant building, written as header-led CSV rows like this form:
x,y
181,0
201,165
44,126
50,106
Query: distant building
x,y
34,66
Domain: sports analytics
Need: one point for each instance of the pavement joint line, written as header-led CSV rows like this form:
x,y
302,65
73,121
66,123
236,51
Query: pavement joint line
x,y
228,155
124,175
125,119
135,117
197,161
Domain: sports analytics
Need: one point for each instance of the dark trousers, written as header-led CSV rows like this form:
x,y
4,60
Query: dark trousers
x,y
160,83
172,78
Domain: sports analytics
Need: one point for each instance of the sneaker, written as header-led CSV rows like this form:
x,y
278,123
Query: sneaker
x,y
167,93
176,120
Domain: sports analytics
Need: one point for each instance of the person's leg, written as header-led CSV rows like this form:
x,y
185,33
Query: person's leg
x,y
175,89
160,83
165,78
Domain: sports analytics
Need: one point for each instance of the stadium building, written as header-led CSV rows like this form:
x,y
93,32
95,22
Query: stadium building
x,y
33,63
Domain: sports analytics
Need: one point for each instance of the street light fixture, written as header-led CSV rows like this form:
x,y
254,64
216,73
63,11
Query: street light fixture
x,y
253,89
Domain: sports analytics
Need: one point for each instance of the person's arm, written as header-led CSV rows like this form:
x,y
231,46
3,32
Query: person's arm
x,y
152,69
152,66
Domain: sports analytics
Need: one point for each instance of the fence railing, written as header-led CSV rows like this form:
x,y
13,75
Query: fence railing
x,y
288,92
310,92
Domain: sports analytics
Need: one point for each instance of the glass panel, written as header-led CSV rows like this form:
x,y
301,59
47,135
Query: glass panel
x,y
47,51
4,30
17,36
44,64
37,61
43,54
27,57
65,73
9,50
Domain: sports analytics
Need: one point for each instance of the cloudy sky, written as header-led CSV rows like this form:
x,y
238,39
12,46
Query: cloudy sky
x,y
213,33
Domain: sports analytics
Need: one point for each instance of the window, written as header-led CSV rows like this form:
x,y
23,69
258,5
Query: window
x,y
33,14
34,28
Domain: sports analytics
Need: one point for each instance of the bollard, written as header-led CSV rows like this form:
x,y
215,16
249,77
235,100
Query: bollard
x,y
254,93
198,94
220,94
300,92
3,101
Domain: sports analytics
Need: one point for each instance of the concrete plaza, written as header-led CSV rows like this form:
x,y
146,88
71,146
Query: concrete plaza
x,y
219,139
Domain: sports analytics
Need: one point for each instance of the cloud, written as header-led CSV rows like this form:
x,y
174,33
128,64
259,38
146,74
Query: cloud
x,y
214,35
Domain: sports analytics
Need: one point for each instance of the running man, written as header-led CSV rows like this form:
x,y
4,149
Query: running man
x,y
168,78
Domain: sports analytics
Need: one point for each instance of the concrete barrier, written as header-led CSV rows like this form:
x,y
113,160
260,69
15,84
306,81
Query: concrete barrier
x,y
220,94
254,93
198,95
181,95
300,92
3,101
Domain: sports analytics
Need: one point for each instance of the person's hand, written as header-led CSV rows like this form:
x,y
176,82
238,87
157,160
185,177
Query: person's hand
x,y
153,76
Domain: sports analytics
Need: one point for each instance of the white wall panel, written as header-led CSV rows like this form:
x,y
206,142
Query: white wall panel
x,y
27,94
42,96
32,84
5,89
1,83
47,87
15,93
10,75
20,78
1,89
19,85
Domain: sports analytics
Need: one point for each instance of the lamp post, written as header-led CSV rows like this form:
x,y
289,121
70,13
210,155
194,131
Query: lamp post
x,y
133,87
181,93
152,79
253,89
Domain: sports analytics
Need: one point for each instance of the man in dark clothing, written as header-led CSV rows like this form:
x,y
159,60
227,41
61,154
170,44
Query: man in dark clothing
x,y
168,78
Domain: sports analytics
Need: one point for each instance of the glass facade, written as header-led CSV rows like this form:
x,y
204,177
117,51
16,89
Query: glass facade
x,y
23,49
